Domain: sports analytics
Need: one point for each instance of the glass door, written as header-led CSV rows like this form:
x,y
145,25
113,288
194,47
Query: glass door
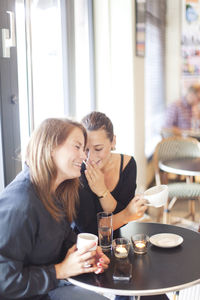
x,y
10,163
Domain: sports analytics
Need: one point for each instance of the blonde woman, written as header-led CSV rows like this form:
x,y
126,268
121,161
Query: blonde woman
x,y
37,245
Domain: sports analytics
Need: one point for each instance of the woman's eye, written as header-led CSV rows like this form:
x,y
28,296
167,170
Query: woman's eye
x,y
78,147
98,149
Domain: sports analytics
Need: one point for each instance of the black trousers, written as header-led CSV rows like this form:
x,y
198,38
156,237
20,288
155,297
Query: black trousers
x,y
72,292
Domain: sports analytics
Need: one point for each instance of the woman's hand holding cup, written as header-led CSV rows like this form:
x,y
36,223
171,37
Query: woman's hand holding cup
x,y
101,260
82,261
75,262
136,208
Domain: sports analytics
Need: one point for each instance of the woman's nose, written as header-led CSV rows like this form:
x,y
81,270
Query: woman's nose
x,y
88,154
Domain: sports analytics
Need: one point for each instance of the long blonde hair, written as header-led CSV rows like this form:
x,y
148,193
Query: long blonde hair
x,y
50,134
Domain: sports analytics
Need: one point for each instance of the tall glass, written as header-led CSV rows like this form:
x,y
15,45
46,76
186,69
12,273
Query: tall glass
x,y
105,230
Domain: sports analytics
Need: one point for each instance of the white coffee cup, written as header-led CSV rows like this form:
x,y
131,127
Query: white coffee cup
x,y
157,196
84,239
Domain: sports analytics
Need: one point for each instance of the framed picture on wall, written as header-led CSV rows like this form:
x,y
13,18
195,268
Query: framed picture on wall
x,y
140,9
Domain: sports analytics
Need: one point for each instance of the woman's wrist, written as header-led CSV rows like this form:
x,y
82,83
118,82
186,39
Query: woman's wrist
x,y
126,215
59,273
129,215
120,219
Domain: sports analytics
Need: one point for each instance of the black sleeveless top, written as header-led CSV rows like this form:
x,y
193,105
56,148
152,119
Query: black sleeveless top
x,y
90,205
121,164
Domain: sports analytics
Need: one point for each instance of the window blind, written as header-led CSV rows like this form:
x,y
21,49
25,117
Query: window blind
x,y
154,72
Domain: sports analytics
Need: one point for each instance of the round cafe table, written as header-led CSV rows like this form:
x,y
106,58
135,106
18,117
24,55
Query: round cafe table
x,y
159,271
188,166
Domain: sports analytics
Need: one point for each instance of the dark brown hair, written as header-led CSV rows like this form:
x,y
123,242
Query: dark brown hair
x,y
97,120
50,134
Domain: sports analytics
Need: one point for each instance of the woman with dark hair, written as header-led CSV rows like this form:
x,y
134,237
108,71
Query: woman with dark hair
x,y
37,245
109,181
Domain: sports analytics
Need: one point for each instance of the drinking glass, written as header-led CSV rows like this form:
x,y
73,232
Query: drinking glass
x,y
105,230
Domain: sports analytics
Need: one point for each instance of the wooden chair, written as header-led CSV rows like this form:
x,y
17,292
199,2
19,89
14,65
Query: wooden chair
x,y
171,148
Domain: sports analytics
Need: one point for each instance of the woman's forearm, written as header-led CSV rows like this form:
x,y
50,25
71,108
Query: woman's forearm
x,y
123,218
133,211
108,202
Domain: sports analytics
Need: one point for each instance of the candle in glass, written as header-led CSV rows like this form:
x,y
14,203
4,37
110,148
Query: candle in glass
x,y
140,242
121,252
121,247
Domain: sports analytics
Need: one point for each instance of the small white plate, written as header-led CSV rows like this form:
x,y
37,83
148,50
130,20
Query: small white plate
x,y
166,240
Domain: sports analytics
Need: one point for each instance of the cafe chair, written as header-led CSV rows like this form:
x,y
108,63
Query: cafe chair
x,y
168,132
172,148
186,294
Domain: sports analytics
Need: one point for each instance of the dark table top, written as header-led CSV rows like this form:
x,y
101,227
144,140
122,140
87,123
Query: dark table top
x,y
182,166
158,271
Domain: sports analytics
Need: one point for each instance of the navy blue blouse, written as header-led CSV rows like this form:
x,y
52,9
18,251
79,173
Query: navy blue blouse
x,y
31,242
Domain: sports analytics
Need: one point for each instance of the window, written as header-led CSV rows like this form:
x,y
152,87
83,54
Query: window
x,y
55,54
46,56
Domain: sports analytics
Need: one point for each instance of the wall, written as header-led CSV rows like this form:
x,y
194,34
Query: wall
x,y
120,77
139,125
114,67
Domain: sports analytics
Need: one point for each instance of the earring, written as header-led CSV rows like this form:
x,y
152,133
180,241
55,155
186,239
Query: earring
x,y
113,148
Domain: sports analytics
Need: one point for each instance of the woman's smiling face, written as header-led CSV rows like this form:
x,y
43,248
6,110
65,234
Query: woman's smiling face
x,y
98,147
69,156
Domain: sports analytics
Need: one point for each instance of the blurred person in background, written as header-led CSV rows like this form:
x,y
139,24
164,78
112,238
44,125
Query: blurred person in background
x,y
184,114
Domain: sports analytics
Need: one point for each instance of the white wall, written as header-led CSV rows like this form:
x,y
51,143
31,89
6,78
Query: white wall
x,y
114,67
139,125
120,77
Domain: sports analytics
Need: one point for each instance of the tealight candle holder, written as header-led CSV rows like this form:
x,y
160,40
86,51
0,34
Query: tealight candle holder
x,y
140,242
121,247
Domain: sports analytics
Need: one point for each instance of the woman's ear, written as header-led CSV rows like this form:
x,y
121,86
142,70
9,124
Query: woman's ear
x,y
113,144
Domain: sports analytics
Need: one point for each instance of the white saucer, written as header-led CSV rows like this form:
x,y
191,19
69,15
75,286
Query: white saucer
x,y
166,240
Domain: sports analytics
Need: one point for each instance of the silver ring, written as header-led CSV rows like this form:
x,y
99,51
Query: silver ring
x,y
86,265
